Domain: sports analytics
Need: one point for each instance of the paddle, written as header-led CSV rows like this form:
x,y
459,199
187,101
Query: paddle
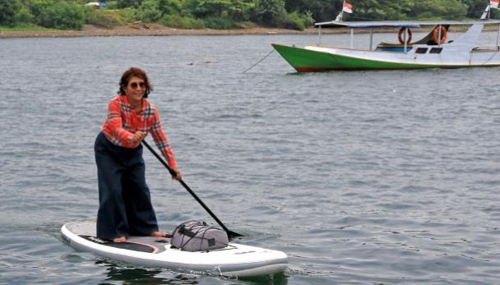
x,y
230,234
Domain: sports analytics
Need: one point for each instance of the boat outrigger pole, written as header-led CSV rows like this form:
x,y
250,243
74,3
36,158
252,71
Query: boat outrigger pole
x,y
339,18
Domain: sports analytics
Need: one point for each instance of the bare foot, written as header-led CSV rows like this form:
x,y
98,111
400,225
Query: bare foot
x,y
120,240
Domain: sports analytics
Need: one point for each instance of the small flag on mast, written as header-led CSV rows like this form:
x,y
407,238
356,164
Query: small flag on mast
x,y
494,3
348,7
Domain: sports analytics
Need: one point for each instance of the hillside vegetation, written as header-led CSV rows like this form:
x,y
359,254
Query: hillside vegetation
x,y
223,14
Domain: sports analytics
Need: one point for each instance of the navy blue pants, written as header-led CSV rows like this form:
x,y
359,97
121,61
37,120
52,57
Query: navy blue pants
x,y
124,200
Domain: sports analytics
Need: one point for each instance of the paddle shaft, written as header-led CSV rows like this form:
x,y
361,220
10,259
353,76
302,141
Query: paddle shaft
x,y
231,234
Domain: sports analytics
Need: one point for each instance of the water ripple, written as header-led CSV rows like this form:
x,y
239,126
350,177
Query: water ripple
x,y
357,177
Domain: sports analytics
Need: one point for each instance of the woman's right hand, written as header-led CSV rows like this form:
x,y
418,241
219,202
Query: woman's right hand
x,y
177,174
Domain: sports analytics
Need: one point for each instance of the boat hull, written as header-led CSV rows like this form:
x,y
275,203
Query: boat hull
x,y
317,59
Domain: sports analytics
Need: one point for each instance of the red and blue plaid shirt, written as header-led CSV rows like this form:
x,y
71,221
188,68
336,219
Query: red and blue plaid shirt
x,y
123,122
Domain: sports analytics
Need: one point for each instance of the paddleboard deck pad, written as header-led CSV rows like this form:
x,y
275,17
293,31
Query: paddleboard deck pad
x,y
233,260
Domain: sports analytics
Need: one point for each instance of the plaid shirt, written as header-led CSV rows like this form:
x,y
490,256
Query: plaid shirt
x,y
123,122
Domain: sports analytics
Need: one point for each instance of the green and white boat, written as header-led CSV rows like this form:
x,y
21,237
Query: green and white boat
x,y
435,50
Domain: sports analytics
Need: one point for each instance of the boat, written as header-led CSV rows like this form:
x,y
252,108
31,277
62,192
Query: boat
x,y
235,260
434,50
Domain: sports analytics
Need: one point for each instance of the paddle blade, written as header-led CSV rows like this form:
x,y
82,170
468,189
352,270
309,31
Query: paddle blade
x,y
232,235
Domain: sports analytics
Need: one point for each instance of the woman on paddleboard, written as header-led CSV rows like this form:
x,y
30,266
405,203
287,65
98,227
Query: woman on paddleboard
x,y
125,207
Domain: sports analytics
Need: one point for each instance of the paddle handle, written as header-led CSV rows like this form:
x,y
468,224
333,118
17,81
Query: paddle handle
x,y
172,172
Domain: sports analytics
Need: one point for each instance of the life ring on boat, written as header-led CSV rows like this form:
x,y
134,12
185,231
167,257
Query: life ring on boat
x,y
400,36
435,34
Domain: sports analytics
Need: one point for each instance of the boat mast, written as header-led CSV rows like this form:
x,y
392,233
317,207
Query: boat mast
x,y
494,6
340,16
337,19
486,13
486,16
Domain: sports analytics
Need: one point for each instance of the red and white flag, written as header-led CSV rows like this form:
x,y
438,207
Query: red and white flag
x,y
348,7
494,3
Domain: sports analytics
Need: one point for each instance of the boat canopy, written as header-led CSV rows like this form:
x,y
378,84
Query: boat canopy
x,y
401,24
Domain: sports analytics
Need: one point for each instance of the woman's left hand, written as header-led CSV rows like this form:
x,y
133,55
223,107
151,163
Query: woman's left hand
x,y
177,175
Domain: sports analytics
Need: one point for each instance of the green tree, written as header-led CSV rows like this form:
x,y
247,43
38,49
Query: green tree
x,y
8,11
241,9
62,15
382,9
128,3
149,11
170,7
219,14
295,14
218,8
36,6
320,10
475,8
269,12
439,9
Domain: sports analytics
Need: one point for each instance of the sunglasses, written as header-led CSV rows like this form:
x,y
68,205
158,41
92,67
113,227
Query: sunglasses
x,y
135,85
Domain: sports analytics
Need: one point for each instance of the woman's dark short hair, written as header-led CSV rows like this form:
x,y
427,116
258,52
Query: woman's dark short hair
x,y
134,72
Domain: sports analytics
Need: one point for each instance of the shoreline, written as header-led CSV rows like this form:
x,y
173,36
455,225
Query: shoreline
x,y
157,30
139,29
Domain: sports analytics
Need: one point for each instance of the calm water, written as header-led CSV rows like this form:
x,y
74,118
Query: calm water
x,y
360,177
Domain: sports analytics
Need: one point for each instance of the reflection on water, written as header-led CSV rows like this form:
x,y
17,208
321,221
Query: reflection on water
x,y
131,275
141,276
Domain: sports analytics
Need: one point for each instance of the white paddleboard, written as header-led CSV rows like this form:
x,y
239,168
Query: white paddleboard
x,y
234,260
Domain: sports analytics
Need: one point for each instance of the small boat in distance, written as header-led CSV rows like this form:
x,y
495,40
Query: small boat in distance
x,y
434,50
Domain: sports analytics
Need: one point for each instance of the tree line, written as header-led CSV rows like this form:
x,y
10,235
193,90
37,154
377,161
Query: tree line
x,y
225,14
